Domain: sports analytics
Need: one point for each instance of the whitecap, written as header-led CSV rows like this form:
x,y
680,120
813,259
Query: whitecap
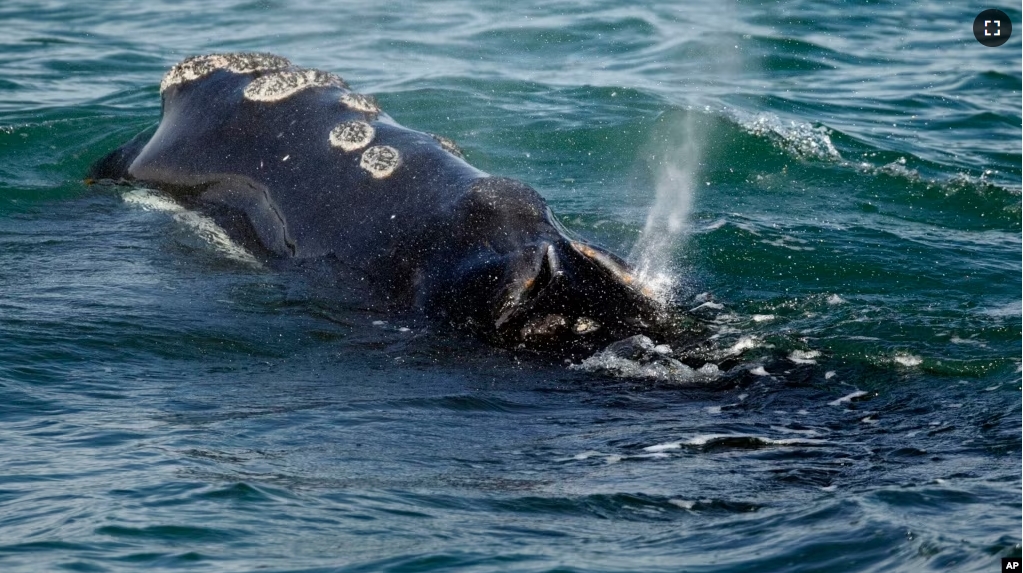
x,y
663,447
907,360
847,398
804,356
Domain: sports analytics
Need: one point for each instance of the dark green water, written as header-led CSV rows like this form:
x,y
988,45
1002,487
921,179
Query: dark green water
x,y
853,175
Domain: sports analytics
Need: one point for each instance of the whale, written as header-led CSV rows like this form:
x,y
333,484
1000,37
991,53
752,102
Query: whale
x,y
296,165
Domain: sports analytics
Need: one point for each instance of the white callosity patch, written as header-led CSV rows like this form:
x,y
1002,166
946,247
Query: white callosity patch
x,y
197,67
585,325
286,83
352,135
380,161
448,145
360,102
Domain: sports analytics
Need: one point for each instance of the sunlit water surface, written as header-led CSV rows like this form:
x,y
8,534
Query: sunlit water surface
x,y
833,187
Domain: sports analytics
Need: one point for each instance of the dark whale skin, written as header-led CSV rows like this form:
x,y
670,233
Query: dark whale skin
x,y
430,233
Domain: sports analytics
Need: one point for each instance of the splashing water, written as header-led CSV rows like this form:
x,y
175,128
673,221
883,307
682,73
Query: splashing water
x,y
667,221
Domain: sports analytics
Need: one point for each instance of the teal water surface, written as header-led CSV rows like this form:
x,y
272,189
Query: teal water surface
x,y
849,176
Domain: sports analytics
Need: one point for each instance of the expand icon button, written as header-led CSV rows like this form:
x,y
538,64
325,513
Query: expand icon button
x,y
992,28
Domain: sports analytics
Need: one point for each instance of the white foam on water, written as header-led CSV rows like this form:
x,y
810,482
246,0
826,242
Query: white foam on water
x,y
582,456
682,503
759,371
835,299
907,360
663,368
652,456
200,224
969,341
898,168
784,430
708,304
717,224
1012,309
705,439
663,447
763,317
641,359
804,356
709,370
847,398
808,141
794,442
800,139
784,242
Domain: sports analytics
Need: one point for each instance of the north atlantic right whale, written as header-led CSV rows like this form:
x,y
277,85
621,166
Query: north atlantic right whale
x,y
295,165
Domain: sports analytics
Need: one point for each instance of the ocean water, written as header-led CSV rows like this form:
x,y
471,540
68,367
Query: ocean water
x,y
833,187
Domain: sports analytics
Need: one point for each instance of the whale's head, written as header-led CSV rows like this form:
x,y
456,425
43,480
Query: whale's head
x,y
297,166
521,280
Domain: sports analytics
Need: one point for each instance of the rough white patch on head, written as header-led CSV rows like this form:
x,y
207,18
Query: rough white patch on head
x,y
585,325
380,161
197,67
360,102
448,145
286,83
352,135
